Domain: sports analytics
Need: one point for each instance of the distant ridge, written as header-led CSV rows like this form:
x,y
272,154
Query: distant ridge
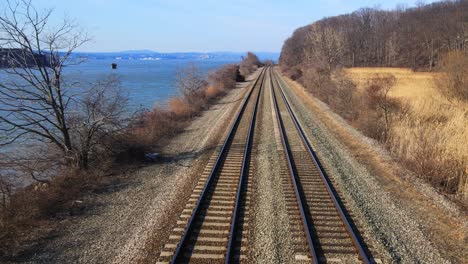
x,y
137,51
154,55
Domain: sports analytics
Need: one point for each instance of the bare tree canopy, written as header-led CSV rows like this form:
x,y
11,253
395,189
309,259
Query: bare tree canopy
x,y
36,101
415,38
190,82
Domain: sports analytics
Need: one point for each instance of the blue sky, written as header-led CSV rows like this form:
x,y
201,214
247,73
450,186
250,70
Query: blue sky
x,y
199,25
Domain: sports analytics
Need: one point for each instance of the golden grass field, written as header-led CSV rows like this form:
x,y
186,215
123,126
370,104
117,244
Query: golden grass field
x,y
435,130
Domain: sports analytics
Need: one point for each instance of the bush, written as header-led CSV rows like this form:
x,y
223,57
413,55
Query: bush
x,y
269,63
249,64
212,92
453,82
380,108
179,107
346,99
225,77
30,207
426,154
192,84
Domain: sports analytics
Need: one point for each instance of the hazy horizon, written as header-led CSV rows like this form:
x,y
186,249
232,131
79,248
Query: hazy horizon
x,y
156,51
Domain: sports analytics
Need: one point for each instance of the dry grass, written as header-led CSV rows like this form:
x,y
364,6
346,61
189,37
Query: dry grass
x,y
179,107
432,138
29,209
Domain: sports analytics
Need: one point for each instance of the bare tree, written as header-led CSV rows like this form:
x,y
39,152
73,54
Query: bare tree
x,y
191,84
328,46
97,117
380,101
36,101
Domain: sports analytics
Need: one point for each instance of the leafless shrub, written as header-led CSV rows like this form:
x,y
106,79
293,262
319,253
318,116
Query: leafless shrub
x,y
381,107
269,63
435,165
225,77
318,81
29,207
192,84
213,92
249,64
5,192
453,82
99,115
346,99
294,72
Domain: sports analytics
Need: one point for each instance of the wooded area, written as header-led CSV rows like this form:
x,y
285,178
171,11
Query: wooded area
x,y
414,38
430,37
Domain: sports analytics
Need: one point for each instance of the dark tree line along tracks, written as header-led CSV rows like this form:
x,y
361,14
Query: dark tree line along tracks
x,y
213,226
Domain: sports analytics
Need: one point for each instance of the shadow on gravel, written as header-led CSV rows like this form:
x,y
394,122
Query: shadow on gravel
x,y
179,158
32,249
46,250
228,102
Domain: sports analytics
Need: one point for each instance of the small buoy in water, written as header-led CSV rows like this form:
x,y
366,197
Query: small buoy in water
x,y
114,66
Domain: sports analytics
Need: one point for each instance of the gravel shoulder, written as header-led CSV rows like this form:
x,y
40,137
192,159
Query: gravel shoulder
x,y
405,220
126,222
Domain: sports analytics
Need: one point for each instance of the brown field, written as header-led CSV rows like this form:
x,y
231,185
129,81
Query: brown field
x,y
433,136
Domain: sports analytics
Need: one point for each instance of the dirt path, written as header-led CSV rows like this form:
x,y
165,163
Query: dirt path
x,y
124,224
408,219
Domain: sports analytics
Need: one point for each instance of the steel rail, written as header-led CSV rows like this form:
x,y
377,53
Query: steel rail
x,y
248,146
348,227
213,171
293,174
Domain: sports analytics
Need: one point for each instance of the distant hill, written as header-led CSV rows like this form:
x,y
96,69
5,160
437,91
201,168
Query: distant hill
x,y
153,55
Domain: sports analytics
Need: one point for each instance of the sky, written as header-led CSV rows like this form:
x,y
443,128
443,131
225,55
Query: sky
x,y
198,25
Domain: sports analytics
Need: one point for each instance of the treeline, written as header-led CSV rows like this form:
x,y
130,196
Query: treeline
x,y
414,38
10,58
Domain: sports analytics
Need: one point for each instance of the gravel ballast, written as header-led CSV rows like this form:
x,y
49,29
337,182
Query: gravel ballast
x,y
271,241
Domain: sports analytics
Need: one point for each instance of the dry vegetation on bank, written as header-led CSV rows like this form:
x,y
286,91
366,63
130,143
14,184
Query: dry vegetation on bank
x,y
431,137
411,113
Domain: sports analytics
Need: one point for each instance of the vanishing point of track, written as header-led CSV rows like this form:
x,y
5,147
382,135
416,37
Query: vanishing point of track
x,y
211,227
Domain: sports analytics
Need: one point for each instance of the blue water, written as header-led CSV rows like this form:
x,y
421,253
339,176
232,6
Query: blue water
x,y
146,82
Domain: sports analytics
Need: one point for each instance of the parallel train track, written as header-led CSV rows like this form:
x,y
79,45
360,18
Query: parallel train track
x,y
320,226
213,227
213,224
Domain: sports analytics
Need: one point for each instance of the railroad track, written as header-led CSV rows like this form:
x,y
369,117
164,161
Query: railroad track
x,y
214,223
319,224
